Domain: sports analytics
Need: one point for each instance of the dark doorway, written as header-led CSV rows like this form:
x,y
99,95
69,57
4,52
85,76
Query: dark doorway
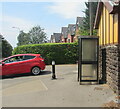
x,y
103,80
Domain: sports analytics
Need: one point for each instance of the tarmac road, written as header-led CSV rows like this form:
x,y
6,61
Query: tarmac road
x,y
65,91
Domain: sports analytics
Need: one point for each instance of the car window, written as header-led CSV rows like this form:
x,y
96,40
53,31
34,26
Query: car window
x,y
27,57
14,59
19,58
10,60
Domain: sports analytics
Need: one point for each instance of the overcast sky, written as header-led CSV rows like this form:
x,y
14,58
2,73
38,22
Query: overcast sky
x,y
50,15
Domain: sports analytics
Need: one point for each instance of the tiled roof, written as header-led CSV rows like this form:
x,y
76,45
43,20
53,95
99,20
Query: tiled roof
x,y
79,20
64,31
71,28
57,37
52,39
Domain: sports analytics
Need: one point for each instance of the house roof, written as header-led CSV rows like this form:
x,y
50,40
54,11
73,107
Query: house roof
x,y
64,31
112,7
51,37
79,20
57,37
71,28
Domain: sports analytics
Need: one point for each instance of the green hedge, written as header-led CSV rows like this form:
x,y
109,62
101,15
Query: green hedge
x,y
61,53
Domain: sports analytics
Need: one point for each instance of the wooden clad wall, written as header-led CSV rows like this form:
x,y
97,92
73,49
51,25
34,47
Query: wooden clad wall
x,y
108,28
104,25
119,26
111,28
116,28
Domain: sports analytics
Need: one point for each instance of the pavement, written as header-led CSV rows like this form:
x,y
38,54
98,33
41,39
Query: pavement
x,y
41,91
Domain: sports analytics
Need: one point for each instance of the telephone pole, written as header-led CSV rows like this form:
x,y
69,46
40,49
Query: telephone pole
x,y
91,17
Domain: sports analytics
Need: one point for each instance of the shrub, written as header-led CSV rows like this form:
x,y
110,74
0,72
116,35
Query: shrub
x,y
6,49
61,53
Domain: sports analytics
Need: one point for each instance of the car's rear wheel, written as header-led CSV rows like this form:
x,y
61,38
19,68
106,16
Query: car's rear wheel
x,y
36,70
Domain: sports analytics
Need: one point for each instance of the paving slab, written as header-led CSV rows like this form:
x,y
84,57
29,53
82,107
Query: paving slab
x,y
65,91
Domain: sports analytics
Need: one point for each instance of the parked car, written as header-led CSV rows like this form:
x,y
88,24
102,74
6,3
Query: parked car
x,y
22,63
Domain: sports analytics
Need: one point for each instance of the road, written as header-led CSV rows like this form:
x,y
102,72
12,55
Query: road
x,y
42,91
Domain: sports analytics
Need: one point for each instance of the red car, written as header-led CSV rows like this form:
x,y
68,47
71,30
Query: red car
x,y
22,63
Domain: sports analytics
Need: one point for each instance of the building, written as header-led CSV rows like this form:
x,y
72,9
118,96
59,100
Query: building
x,y
52,39
71,33
107,23
68,34
55,38
79,23
64,33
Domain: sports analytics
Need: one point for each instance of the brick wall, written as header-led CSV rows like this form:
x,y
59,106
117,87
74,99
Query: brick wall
x,y
109,66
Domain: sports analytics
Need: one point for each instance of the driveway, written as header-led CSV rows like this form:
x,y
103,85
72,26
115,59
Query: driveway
x,y
42,91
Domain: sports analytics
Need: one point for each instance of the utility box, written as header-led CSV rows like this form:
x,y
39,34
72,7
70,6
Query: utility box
x,y
88,59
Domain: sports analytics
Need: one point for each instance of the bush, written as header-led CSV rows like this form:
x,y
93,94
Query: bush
x,y
6,49
61,53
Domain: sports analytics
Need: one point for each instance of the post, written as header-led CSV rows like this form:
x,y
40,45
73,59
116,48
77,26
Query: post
x,y
91,17
53,70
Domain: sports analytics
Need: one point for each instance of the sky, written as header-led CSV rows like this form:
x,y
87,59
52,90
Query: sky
x,y
49,14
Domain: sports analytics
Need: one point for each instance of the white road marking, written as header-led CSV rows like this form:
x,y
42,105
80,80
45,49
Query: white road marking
x,y
27,87
44,85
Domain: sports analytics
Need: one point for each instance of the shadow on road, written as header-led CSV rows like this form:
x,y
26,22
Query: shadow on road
x,y
24,75
45,72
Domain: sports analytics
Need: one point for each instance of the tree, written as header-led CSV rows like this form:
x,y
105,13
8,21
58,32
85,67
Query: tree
x,y
86,19
6,48
84,29
37,35
23,38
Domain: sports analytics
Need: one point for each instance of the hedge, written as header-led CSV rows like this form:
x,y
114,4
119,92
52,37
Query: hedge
x,y
61,53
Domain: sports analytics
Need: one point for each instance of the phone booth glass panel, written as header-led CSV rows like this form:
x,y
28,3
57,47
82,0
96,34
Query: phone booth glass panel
x,y
89,50
89,72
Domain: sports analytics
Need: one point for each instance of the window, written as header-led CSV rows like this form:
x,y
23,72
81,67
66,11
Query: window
x,y
27,57
18,58
11,60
